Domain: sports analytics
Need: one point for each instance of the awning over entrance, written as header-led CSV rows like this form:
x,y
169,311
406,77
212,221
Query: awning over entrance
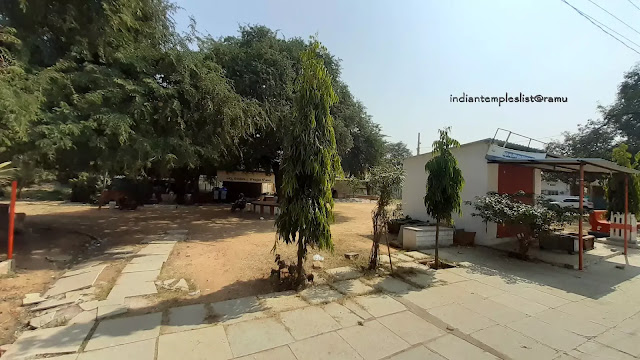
x,y
590,165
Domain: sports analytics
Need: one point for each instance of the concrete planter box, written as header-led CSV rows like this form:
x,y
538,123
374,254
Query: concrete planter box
x,y
424,237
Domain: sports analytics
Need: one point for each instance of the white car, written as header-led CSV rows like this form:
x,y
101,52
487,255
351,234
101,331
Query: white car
x,y
574,202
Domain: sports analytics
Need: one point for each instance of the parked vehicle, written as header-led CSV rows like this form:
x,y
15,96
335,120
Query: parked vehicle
x,y
574,202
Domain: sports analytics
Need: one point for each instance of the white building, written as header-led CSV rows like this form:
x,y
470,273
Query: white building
x,y
481,177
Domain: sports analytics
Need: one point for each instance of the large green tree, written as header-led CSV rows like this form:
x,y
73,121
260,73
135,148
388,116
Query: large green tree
x,y
262,65
624,113
616,183
444,184
310,160
122,92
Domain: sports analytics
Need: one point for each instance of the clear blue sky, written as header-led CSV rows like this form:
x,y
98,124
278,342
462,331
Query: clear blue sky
x,y
403,59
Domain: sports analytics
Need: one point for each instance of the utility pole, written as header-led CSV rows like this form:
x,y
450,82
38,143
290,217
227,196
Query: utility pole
x,y
418,149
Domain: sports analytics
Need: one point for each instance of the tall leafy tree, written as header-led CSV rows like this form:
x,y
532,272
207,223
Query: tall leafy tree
x,y
444,184
616,183
122,91
262,65
624,113
396,152
310,160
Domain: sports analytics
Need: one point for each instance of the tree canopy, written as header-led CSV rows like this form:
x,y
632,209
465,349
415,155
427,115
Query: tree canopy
x,y
110,86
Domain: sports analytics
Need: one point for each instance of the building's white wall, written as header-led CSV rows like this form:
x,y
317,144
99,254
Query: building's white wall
x,y
555,190
480,178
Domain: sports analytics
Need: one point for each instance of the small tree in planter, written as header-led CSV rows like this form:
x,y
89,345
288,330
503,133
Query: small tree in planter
x,y
384,179
532,221
444,184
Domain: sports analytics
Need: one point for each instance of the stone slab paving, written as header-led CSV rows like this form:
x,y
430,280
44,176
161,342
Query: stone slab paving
x,y
547,334
125,330
461,318
307,322
379,304
357,309
410,327
149,259
352,287
157,249
495,311
476,287
575,324
417,255
253,336
373,340
279,353
418,353
140,350
84,317
236,310
207,343
320,294
57,340
75,282
123,290
452,347
618,340
341,314
138,277
401,257
344,273
329,346
91,267
110,310
282,301
517,303
390,285
145,266
514,344
188,317
593,350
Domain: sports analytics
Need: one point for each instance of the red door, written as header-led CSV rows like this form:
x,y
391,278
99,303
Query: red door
x,y
512,179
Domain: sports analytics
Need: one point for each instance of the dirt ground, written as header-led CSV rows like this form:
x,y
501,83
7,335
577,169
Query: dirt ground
x,y
228,255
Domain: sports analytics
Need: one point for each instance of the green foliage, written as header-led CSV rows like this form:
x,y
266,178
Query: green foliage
x,y
624,114
616,183
445,180
385,180
310,161
85,188
27,173
263,65
444,184
531,220
121,91
396,152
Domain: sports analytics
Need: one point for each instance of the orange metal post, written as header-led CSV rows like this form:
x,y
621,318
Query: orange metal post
x,y
626,210
580,244
12,215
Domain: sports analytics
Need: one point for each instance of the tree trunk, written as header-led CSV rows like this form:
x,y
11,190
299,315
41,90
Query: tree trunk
x,y
437,236
300,278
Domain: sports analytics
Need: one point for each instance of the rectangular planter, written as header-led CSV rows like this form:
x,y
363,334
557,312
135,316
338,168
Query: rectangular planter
x,y
424,237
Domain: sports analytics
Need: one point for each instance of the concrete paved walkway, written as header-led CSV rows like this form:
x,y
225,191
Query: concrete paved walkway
x,y
493,307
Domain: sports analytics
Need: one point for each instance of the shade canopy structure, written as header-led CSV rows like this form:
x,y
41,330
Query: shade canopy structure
x,y
580,166
590,165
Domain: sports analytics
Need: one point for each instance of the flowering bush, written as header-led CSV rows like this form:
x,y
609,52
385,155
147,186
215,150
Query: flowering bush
x,y
530,220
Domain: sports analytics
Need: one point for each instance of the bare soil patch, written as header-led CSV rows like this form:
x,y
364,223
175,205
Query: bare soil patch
x,y
228,255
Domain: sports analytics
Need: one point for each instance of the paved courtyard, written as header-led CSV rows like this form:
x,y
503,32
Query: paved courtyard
x,y
490,307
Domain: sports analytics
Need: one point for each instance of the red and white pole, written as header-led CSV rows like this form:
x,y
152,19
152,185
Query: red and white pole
x,y
12,215
581,209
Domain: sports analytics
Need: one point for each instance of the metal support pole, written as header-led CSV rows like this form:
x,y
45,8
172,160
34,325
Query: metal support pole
x,y
626,211
12,215
580,241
